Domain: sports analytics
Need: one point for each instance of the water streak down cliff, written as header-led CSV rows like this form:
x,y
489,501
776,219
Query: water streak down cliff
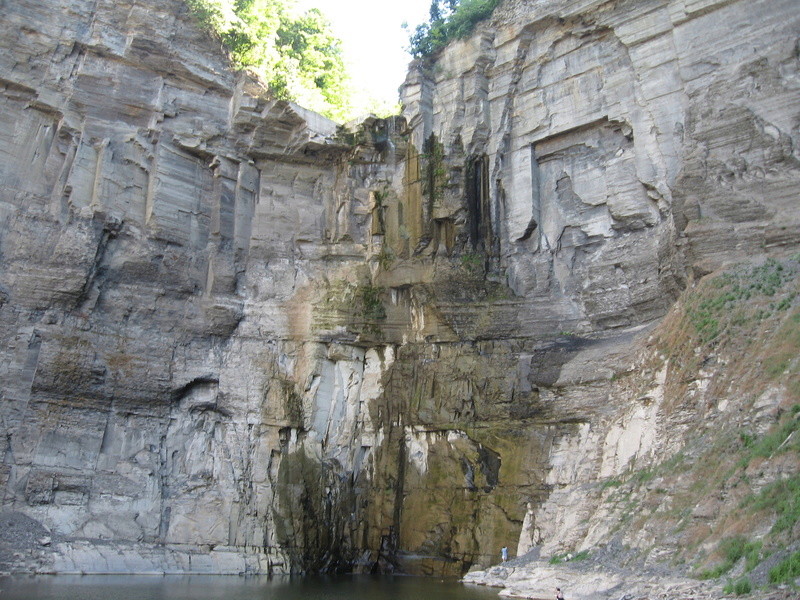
x,y
237,339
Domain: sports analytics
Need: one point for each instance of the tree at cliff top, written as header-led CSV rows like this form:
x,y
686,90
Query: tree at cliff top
x,y
449,20
297,55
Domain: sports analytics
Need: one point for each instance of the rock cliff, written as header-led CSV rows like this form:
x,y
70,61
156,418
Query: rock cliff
x,y
239,338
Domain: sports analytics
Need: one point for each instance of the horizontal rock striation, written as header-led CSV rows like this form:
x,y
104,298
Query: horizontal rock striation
x,y
238,338
151,200
600,157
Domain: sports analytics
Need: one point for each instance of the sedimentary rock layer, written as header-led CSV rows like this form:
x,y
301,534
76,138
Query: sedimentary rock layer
x,y
237,339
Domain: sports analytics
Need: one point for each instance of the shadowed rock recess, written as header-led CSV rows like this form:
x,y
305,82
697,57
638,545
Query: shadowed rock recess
x,y
236,338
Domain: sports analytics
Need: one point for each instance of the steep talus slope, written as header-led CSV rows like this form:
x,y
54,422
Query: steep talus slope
x,y
237,339
708,481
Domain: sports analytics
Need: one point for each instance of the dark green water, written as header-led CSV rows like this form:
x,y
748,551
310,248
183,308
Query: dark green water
x,y
198,587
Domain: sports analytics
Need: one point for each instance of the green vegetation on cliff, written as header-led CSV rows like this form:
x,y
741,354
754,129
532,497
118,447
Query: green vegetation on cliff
x,y
747,318
727,502
297,55
449,20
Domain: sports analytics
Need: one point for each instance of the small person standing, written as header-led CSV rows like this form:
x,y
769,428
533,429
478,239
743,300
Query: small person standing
x,y
559,595
504,553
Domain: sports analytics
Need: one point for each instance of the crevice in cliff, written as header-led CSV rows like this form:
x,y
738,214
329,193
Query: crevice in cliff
x,y
479,205
199,394
389,545
90,291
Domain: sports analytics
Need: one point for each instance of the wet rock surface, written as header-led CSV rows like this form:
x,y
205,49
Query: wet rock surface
x,y
239,339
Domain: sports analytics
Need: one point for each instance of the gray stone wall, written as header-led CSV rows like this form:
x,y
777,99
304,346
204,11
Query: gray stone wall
x,y
235,339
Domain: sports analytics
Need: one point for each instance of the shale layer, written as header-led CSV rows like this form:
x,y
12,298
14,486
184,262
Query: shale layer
x,y
237,338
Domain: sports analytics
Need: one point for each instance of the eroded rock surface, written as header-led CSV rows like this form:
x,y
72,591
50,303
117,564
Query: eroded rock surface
x,y
237,339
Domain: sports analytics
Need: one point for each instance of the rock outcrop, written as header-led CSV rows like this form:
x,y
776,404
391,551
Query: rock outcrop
x,y
239,338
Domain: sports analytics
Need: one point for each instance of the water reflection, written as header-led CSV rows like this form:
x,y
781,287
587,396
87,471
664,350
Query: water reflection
x,y
198,587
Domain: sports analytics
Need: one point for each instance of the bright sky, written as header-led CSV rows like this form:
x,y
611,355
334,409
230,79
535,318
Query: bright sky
x,y
374,39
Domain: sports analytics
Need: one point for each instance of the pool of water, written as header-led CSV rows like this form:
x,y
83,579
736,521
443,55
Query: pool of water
x,y
200,587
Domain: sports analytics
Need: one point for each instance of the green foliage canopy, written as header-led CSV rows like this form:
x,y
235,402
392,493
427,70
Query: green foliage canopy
x,y
297,55
449,20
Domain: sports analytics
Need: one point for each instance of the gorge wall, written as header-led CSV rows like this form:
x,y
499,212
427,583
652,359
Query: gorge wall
x,y
239,338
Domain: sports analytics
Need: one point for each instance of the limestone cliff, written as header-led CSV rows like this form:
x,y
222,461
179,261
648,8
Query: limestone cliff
x,y
237,338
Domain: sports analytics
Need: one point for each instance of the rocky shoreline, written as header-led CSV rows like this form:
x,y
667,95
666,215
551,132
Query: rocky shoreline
x,y
536,579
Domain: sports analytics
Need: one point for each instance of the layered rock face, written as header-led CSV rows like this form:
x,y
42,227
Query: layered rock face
x,y
236,339
151,200
610,153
